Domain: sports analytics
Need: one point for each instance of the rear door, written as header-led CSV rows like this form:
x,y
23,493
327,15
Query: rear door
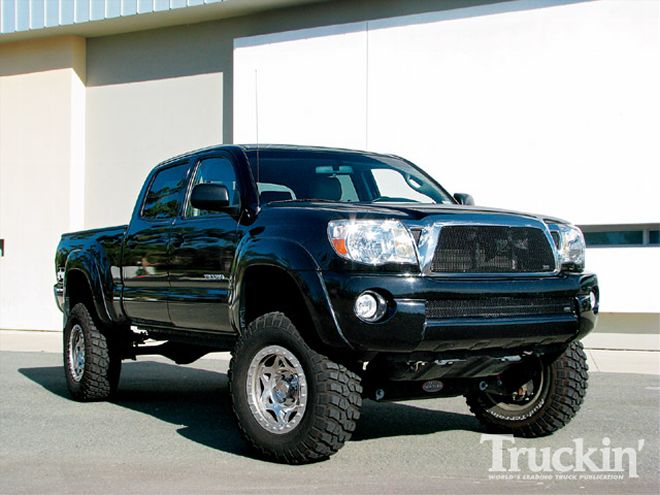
x,y
202,246
146,256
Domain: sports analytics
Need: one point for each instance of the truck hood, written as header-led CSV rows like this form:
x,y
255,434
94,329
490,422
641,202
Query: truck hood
x,y
406,212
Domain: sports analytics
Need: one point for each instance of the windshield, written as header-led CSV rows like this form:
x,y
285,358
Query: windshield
x,y
286,175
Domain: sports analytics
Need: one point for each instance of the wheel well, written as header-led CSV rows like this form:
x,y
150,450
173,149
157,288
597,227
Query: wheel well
x,y
79,291
268,288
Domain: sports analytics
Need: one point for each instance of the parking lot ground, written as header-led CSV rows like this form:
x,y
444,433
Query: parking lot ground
x,y
170,430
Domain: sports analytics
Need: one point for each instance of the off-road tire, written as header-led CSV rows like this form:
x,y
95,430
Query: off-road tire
x,y
563,391
333,399
102,367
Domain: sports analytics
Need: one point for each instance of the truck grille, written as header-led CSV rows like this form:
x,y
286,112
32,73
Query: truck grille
x,y
500,307
492,249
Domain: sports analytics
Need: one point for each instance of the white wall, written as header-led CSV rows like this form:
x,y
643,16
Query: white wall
x,y
553,110
629,278
309,91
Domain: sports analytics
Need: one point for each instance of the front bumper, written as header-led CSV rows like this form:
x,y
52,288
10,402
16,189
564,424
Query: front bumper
x,y
409,327
58,291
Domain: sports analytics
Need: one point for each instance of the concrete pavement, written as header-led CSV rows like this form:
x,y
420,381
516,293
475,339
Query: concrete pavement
x,y
170,430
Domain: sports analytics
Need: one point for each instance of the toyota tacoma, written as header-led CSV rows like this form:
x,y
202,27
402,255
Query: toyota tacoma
x,y
332,276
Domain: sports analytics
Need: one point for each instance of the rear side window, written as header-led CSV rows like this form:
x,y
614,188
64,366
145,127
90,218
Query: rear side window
x,y
165,193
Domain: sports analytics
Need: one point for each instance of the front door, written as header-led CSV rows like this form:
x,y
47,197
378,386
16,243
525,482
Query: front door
x,y
146,256
202,247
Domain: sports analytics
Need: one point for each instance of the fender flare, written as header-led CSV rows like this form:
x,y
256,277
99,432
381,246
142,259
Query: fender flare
x,y
292,258
80,261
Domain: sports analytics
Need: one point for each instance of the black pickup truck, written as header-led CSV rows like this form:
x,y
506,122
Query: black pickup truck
x,y
332,276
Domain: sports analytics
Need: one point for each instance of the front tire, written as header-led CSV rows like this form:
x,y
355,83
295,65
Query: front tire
x,y
558,390
91,363
292,404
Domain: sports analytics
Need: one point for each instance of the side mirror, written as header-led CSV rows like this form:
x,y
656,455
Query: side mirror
x,y
464,199
212,197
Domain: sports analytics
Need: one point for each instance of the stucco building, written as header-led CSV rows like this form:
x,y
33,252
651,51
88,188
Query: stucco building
x,y
547,106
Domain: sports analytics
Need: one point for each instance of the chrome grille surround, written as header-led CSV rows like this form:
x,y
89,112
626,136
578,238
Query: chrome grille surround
x,y
492,249
430,238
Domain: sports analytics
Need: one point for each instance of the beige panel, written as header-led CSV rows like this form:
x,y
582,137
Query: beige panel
x,y
133,126
34,193
40,55
42,109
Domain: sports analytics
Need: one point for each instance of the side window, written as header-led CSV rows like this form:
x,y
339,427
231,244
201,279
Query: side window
x,y
215,171
165,194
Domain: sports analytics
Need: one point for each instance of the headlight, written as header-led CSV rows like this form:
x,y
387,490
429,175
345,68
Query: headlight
x,y
571,248
373,242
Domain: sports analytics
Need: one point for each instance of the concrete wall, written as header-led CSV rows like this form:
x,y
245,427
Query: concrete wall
x,y
151,95
154,94
549,107
629,278
42,111
133,126
466,88
83,121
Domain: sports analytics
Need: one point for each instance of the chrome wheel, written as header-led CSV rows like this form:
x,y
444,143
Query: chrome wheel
x,y
276,389
77,352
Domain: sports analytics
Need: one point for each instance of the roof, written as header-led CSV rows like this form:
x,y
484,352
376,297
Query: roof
x,y
296,147
271,147
26,19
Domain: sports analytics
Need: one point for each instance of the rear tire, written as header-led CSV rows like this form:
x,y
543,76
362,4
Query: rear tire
x,y
559,390
292,404
92,365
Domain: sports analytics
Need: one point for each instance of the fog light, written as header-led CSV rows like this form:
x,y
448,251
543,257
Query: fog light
x,y
370,306
593,299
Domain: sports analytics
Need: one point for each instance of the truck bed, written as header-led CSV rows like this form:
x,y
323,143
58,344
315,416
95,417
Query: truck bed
x,y
97,248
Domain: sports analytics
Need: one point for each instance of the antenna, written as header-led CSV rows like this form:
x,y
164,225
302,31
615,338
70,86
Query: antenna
x,y
256,114
366,91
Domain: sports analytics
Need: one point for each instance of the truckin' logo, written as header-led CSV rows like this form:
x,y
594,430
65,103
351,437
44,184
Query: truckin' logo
x,y
575,462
